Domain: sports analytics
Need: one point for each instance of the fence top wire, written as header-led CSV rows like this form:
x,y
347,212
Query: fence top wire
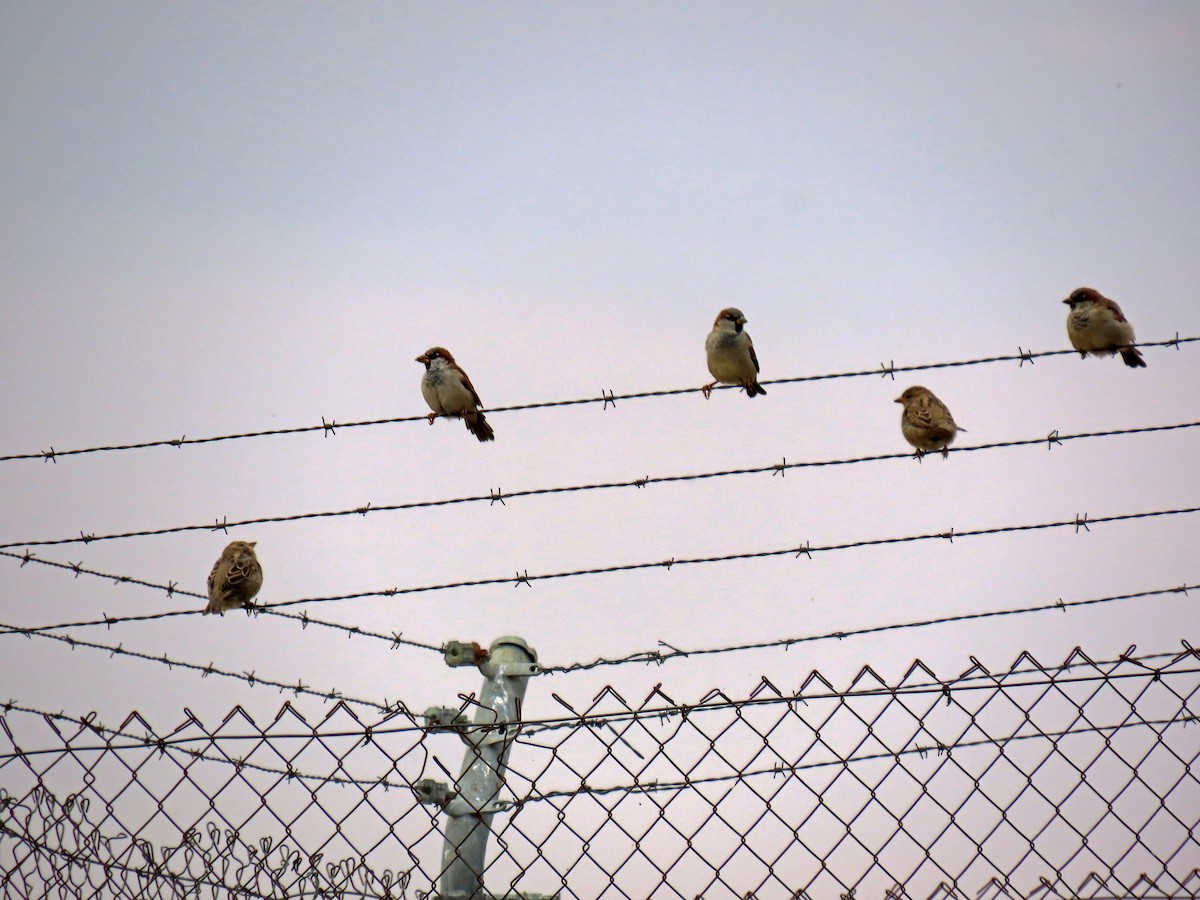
x,y
178,745
660,656
609,706
606,398
493,496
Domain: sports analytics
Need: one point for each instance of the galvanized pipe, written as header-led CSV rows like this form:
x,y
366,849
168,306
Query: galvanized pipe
x,y
506,673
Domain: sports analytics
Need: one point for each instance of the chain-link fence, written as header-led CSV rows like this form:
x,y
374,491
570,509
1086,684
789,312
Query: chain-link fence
x,y
1074,780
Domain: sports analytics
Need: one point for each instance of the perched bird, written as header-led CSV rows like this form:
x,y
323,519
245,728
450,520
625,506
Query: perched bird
x,y
449,392
235,578
731,356
1097,326
926,422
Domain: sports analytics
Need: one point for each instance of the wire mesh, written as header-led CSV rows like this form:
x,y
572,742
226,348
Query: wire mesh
x,y
1070,780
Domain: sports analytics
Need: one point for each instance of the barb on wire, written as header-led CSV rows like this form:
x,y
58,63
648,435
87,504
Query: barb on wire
x,y
497,495
606,398
658,657
394,639
249,677
525,578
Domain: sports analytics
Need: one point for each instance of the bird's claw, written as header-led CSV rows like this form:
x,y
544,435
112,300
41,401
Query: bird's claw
x,y
707,389
431,417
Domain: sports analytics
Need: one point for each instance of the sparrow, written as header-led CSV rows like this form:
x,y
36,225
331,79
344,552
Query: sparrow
x,y
235,578
449,392
1097,326
731,356
926,422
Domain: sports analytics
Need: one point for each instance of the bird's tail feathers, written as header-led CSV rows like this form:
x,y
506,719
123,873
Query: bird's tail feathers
x,y
1133,357
753,389
478,426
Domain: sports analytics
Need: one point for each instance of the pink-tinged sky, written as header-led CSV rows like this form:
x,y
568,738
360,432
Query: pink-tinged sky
x,y
222,218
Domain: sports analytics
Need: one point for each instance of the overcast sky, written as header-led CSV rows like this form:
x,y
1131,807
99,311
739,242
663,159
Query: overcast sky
x,y
222,218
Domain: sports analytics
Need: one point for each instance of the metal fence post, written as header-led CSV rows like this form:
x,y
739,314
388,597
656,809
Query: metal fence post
x,y
506,670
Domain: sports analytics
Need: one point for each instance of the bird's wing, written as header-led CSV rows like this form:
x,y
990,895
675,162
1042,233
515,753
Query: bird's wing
x,y
212,576
1116,310
919,415
470,387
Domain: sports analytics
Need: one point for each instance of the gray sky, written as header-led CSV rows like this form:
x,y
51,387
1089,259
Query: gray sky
x,y
221,218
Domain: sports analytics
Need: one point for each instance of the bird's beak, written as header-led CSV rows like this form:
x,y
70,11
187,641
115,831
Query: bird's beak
x,y
422,359
898,400
1067,301
253,543
743,320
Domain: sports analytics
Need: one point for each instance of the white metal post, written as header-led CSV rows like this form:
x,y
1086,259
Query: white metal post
x,y
510,662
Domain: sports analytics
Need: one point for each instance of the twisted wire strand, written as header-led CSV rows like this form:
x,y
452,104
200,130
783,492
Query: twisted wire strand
x,y
606,398
658,657
492,497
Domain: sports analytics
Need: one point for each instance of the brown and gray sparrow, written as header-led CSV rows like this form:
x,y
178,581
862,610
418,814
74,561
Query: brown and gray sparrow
x,y
235,578
731,356
449,392
926,422
1097,326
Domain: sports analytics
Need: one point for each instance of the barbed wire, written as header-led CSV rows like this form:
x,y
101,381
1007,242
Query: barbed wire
x,y
606,398
806,549
252,678
395,639
658,657
494,496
